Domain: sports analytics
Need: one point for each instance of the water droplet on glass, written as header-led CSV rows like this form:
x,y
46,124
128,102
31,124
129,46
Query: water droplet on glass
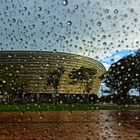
x,y
65,2
106,11
76,6
108,17
69,23
104,43
135,20
119,113
13,20
116,11
39,8
68,10
99,23
136,117
119,123
25,8
131,10
47,11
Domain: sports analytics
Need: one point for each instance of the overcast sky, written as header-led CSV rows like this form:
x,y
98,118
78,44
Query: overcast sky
x,y
94,28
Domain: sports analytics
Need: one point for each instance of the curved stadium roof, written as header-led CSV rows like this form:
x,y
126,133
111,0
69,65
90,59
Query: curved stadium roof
x,y
40,63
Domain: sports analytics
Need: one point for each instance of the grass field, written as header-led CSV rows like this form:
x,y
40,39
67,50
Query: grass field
x,y
66,107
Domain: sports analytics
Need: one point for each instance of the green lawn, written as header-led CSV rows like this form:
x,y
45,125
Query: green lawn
x,y
69,107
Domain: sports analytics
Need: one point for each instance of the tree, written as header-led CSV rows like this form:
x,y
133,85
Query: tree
x,y
138,52
124,75
84,76
12,81
54,78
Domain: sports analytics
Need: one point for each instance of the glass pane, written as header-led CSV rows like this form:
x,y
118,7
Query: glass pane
x,y
69,69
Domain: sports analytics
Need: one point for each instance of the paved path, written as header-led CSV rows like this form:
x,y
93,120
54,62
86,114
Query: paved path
x,y
74,125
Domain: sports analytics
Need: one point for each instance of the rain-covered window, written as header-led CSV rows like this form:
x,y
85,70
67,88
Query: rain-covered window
x,y
70,69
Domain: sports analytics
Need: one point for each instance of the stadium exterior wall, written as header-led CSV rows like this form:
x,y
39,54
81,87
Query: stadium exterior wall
x,y
39,63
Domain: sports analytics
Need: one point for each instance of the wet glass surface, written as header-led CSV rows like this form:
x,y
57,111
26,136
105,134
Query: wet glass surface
x,y
76,125
69,70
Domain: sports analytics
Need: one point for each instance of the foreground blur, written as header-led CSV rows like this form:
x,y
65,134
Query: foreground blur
x,y
75,125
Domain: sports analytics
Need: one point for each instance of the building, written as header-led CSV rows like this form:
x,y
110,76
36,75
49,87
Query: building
x,y
39,64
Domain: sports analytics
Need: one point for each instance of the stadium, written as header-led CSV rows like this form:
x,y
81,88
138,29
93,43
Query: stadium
x,y
39,65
